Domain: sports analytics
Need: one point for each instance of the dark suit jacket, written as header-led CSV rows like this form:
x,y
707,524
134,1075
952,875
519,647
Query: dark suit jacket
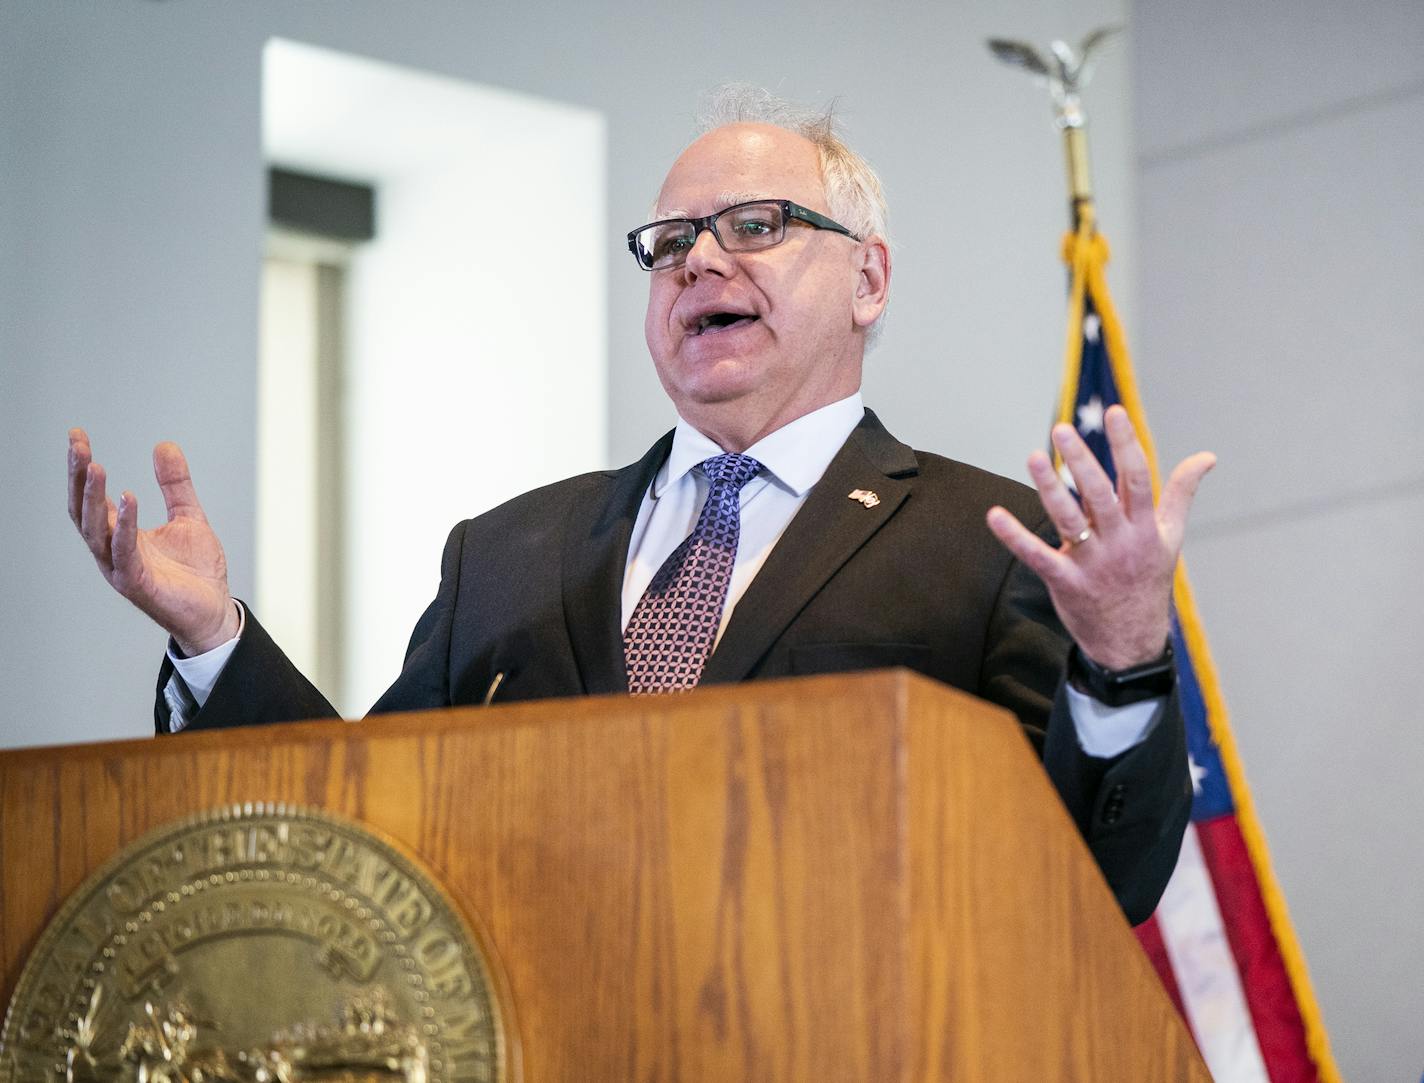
x,y
533,590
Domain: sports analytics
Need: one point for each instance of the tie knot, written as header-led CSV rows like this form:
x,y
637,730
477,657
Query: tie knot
x,y
730,470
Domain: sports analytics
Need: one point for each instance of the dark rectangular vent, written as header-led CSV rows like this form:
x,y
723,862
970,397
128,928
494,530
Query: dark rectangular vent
x,y
330,208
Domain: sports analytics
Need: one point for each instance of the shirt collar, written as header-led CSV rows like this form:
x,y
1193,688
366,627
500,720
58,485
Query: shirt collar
x,y
795,455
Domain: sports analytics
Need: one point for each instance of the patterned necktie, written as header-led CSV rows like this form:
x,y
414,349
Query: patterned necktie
x,y
675,622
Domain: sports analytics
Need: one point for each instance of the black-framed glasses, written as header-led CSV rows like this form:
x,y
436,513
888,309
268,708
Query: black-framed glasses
x,y
743,227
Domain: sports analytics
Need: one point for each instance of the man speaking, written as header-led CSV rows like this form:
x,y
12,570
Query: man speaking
x,y
778,530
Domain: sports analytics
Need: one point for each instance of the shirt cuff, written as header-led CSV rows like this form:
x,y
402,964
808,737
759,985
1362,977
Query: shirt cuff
x,y
1105,731
201,672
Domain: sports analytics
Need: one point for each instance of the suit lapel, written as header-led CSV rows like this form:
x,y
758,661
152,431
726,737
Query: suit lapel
x,y
595,559
826,532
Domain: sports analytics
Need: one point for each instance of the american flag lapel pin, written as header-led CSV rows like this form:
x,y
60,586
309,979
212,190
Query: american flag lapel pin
x,y
865,496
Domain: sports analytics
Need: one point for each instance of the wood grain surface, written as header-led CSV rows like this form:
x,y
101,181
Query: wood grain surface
x,y
835,878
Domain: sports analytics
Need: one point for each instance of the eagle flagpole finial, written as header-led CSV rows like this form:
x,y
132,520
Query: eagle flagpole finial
x,y
1065,72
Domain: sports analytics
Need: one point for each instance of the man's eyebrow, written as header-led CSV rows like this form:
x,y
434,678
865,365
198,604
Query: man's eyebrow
x,y
731,199
723,201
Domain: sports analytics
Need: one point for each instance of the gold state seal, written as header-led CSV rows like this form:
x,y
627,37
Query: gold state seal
x,y
250,945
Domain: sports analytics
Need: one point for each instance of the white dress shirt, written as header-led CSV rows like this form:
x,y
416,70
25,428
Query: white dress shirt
x,y
793,459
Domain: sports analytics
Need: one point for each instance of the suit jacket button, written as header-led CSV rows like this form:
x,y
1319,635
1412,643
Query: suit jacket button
x,y
1112,807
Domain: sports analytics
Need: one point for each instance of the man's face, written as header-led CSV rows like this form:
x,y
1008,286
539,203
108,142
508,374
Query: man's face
x,y
789,321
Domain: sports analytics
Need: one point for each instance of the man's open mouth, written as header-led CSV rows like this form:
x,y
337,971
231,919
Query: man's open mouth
x,y
714,322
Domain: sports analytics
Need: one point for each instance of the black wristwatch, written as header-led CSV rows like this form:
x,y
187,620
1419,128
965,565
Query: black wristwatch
x,y
1119,687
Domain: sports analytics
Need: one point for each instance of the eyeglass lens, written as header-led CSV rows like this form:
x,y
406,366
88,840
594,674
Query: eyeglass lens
x,y
738,229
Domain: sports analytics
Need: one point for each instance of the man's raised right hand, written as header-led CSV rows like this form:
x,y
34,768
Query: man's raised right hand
x,y
176,573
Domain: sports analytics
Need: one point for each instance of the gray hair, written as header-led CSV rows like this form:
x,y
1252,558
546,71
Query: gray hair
x,y
854,195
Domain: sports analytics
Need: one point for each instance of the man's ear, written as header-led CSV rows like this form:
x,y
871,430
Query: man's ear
x,y
872,284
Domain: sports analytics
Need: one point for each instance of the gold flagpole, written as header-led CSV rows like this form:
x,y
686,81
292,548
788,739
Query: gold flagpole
x,y
1086,253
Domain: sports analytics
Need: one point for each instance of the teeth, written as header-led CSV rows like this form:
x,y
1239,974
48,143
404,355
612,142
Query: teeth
x,y
719,319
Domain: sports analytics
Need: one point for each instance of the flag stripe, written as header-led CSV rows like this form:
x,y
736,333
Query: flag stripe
x,y
1279,1028
1316,1037
1149,935
1206,972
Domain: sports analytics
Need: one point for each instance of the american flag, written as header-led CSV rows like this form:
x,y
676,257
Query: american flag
x,y
1221,939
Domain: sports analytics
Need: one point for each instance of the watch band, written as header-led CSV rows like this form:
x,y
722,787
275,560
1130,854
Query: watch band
x,y
1120,687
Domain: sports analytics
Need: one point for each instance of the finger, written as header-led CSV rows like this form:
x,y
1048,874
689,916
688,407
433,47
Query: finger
x,y
124,546
1047,562
98,516
80,456
171,470
1068,518
1134,476
1178,493
1089,477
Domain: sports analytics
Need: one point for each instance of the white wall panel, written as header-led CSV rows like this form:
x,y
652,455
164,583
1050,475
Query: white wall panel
x,y
1278,306
1222,69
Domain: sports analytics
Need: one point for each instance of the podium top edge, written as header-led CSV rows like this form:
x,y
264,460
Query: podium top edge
x,y
898,684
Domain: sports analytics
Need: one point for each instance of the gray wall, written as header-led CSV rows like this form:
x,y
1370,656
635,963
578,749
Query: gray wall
x,y
1282,276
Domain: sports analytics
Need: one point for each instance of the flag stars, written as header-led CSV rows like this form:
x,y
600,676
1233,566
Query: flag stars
x,y
1092,327
1198,773
1090,416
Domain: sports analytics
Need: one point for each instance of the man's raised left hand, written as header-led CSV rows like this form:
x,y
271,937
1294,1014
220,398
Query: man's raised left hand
x,y
1111,578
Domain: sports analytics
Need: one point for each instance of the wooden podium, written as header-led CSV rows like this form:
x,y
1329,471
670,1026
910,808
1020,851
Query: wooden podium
x,y
834,878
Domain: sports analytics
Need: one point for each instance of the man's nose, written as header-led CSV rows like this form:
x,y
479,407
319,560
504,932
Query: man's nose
x,y
708,257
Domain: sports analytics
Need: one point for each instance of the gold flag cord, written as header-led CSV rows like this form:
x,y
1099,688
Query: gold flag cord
x,y
1086,254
